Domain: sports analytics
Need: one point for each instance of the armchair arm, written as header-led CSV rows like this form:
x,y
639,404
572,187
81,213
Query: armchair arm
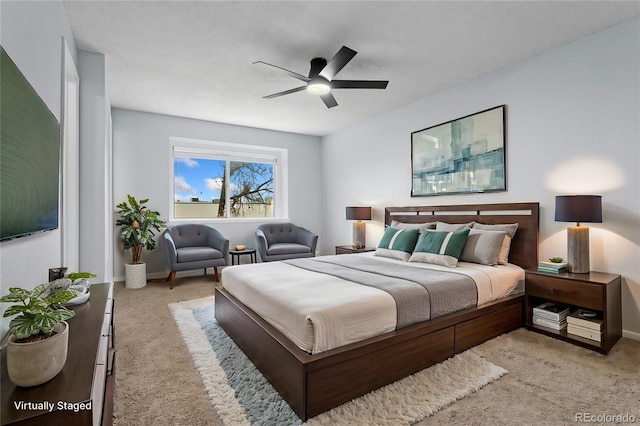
x,y
307,238
218,241
169,248
262,243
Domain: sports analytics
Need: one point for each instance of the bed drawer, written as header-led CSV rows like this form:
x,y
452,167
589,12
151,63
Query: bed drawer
x,y
564,291
475,331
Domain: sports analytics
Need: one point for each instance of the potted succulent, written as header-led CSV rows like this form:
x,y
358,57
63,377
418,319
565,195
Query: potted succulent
x,y
39,334
138,224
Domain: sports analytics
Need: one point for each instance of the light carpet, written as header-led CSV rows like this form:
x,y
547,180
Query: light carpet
x,y
242,396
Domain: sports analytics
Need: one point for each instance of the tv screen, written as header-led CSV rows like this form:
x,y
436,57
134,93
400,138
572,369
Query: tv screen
x,y
29,157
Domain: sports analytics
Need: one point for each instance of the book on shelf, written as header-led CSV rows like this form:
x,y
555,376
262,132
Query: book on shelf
x,y
546,322
584,332
552,311
593,324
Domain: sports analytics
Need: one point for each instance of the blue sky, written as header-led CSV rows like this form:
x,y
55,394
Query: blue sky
x,y
197,177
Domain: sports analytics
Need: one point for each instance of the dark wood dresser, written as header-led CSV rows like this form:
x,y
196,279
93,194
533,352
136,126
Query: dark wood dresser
x,y
82,393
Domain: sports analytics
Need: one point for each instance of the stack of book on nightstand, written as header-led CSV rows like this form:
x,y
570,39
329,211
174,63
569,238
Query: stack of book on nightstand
x,y
551,315
585,324
552,267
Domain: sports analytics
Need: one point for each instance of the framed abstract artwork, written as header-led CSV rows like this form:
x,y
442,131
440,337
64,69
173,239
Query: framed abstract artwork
x,y
465,155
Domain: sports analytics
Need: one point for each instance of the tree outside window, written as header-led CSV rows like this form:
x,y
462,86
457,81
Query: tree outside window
x,y
223,188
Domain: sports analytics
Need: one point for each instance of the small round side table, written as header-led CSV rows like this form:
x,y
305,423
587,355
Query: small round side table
x,y
235,254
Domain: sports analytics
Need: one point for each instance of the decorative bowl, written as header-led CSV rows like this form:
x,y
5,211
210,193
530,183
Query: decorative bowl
x,y
78,299
240,247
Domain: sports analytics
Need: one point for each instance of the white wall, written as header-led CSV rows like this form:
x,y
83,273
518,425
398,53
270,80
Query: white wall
x,y
32,33
573,119
96,212
141,159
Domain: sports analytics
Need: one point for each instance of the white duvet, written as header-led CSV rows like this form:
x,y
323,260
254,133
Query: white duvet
x,y
319,312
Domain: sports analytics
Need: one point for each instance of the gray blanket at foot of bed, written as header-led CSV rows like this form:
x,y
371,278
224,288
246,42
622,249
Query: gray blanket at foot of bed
x,y
420,294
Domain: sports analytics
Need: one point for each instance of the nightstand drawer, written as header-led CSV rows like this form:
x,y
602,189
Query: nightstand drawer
x,y
564,291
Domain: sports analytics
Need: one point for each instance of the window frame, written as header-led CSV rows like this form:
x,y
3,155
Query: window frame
x,y
229,151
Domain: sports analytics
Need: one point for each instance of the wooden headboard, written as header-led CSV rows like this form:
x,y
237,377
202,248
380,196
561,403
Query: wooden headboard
x,y
524,247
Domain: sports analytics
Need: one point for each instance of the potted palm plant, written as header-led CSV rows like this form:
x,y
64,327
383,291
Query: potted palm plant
x,y
138,224
39,334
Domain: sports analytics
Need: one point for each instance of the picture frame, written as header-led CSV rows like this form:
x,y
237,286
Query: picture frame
x,y
465,155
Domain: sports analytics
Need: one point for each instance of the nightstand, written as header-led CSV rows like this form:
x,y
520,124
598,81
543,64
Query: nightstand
x,y
351,250
594,291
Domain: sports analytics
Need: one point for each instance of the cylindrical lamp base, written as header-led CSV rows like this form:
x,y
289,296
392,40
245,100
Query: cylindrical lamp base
x,y
578,249
359,233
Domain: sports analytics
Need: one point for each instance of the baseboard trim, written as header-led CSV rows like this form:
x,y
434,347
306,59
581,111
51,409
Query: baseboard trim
x,y
163,275
631,335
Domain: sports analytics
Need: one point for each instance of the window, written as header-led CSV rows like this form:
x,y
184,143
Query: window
x,y
214,180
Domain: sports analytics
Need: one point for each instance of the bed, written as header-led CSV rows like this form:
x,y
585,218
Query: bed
x,y
315,382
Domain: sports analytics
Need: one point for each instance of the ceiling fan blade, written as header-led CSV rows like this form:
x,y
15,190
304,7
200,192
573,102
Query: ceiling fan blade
x,y
286,92
338,62
291,73
359,84
329,100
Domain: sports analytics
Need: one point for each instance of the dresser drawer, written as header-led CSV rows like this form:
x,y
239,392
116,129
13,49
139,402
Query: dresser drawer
x,y
577,293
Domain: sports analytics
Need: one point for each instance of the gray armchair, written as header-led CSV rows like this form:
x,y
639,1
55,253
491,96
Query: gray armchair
x,y
194,246
279,241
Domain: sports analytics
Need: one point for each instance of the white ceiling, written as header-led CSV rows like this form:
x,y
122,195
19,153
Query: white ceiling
x,y
195,58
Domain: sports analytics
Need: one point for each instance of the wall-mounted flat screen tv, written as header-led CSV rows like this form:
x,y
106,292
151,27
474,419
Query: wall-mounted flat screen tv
x,y
29,157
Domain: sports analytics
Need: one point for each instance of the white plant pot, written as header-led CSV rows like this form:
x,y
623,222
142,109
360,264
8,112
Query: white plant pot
x,y
34,363
135,275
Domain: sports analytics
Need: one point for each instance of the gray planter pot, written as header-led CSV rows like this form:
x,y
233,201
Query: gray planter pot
x,y
31,364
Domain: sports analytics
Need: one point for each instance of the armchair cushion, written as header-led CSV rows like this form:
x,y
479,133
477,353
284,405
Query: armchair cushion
x,y
195,254
287,248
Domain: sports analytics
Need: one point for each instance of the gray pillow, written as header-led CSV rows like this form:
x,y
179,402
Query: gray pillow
x,y
418,226
510,229
449,227
483,247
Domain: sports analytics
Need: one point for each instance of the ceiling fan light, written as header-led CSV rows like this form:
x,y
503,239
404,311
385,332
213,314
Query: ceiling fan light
x,y
319,86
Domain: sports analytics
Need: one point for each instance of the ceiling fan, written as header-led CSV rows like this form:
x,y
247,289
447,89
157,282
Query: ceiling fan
x,y
320,80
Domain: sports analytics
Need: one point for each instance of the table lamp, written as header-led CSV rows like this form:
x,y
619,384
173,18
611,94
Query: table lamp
x,y
359,230
578,208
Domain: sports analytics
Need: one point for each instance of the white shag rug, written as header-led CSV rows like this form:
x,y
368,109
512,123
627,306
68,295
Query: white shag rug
x,y
242,396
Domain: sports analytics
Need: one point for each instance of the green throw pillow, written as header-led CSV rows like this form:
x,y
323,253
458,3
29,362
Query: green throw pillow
x,y
440,247
397,243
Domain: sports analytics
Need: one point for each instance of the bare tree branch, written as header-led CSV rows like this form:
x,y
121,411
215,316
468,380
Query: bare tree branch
x,y
251,182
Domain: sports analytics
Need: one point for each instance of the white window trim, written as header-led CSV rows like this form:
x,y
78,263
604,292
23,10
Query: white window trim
x,y
219,150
